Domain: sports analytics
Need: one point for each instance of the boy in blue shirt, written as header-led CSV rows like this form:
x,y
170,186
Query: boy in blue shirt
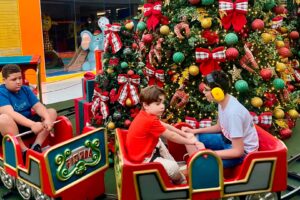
x,y
16,103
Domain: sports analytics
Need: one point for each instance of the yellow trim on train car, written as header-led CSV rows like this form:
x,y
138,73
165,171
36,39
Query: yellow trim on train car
x,y
160,181
4,153
274,159
121,162
80,179
221,176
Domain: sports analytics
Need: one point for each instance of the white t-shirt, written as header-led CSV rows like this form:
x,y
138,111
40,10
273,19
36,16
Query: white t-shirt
x,y
236,122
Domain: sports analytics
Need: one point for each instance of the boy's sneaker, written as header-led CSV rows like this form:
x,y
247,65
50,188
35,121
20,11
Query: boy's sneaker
x,y
37,148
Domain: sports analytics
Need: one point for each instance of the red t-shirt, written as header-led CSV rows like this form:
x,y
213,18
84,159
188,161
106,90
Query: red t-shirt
x,y
143,135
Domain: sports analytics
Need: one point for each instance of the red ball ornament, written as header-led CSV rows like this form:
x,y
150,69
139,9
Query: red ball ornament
x,y
266,74
127,123
130,72
294,35
147,38
201,87
134,45
194,2
290,87
284,52
285,133
231,53
258,24
279,9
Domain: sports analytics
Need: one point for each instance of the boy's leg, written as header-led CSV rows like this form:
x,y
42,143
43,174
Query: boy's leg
x,y
41,137
213,141
8,125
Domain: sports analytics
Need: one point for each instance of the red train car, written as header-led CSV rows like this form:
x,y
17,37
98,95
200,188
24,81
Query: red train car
x,y
263,173
69,166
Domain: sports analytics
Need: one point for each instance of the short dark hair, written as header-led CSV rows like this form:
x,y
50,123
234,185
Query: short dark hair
x,y
218,79
151,94
10,69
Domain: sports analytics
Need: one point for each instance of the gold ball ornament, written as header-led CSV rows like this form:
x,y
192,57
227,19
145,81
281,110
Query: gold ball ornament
x,y
280,67
278,113
128,102
109,70
293,113
194,70
111,125
283,29
164,30
266,37
129,25
206,23
279,43
256,102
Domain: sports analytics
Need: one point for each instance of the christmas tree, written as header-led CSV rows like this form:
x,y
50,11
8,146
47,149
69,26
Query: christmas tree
x,y
176,43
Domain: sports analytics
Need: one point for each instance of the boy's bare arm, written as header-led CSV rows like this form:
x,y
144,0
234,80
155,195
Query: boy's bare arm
x,y
212,129
17,117
176,130
174,137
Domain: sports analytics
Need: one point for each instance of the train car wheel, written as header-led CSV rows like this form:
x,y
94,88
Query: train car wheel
x,y
265,196
38,195
24,189
8,180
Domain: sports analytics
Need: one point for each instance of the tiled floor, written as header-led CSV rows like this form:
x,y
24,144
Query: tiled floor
x,y
61,90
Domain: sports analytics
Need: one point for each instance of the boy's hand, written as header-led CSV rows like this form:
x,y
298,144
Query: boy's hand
x,y
37,127
48,125
189,135
186,129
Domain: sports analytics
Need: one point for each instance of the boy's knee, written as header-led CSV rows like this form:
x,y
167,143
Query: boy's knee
x,y
173,170
5,119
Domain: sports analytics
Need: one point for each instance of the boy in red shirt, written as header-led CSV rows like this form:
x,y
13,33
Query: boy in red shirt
x,y
143,143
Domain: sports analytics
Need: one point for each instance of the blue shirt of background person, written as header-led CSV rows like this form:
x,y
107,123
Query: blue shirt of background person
x,y
22,101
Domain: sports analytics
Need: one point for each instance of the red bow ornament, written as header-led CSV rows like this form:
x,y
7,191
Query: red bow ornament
x,y
234,13
112,37
210,60
153,12
128,88
154,76
264,119
99,103
195,124
297,75
271,99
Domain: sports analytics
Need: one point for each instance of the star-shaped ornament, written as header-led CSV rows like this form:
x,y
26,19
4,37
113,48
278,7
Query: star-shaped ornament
x,y
235,73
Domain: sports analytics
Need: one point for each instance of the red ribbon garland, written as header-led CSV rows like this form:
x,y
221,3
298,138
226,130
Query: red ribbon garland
x,y
235,13
154,76
153,12
209,60
271,99
264,119
128,88
195,124
112,37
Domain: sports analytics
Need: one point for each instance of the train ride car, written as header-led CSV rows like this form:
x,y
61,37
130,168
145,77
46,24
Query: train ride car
x,y
262,174
68,167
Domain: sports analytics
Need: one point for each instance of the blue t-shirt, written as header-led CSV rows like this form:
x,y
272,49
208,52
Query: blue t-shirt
x,y
22,101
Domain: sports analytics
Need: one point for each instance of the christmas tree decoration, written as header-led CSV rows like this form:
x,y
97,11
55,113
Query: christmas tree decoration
x,y
284,52
231,39
111,125
266,74
179,99
285,133
278,83
258,24
194,70
153,14
124,65
129,25
117,115
141,26
210,59
147,38
207,2
256,102
266,37
280,67
164,30
112,38
206,22
127,123
231,53
293,114
278,113
235,73
294,35
128,102
269,4
194,2
247,61
279,43
233,13
182,26
241,86
178,57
